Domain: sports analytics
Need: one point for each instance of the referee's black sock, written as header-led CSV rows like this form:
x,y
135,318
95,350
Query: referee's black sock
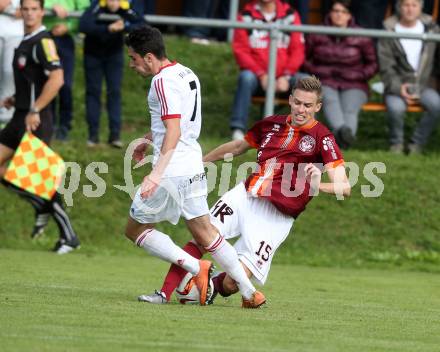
x,y
42,207
67,234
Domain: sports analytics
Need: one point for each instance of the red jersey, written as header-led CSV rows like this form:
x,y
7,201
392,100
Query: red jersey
x,y
282,153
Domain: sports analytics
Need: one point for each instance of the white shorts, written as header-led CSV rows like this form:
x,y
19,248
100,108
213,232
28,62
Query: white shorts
x,y
261,227
176,196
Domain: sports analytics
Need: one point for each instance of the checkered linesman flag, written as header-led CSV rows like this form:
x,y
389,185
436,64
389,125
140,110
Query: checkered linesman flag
x,y
35,168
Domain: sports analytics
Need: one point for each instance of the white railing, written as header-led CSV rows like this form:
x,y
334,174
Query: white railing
x,y
275,29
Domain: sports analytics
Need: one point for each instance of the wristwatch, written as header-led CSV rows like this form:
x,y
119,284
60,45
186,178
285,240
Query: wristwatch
x,y
34,110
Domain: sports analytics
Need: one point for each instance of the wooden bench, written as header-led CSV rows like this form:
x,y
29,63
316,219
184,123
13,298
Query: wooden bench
x,y
370,106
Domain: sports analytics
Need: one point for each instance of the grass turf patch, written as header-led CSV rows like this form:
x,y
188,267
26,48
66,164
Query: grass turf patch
x,y
88,303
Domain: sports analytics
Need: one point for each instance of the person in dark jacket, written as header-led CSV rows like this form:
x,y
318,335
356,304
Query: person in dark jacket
x,y
344,65
104,24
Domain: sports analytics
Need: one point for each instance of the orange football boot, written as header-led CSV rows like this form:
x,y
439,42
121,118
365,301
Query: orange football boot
x,y
202,280
256,301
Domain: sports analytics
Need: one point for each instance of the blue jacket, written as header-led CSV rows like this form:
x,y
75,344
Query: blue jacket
x,y
99,41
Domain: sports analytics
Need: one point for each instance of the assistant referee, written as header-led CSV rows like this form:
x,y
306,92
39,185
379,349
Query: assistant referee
x,y
38,77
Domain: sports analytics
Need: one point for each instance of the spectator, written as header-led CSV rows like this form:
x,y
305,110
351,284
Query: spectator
x,y
371,13
62,29
344,65
149,7
140,6
10,37
406,67
104,24
199,9
205,9
251,50
302,6
220,10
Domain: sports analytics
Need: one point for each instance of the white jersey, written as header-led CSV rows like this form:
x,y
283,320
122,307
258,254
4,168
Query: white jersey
x,y
175,93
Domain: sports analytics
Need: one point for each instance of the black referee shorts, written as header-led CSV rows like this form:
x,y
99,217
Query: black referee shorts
x,y
11,135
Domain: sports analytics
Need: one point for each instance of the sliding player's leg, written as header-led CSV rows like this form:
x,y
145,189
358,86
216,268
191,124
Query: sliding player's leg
x,y
174,276
212,238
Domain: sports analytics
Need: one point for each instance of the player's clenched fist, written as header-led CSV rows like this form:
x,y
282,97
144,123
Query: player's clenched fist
x,y
313,174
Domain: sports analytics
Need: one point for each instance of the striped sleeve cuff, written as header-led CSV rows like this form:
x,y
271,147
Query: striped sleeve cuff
x,y
167,117
334,164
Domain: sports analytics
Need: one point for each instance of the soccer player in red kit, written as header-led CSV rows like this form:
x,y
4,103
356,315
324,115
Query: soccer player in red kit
x,y
290,150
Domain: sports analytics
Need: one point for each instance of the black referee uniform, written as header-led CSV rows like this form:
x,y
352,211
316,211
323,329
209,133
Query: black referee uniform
x,y
34,58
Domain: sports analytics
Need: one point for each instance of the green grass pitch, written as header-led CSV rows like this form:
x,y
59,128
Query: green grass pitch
x,y
354,275
88,303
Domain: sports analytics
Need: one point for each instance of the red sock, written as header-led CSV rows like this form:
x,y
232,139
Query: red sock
x,y
218,284
176,273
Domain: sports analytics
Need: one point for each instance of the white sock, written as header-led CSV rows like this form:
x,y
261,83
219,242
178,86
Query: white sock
x,y
162,246
224,254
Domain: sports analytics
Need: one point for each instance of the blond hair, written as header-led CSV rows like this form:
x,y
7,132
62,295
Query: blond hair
x,y
309,84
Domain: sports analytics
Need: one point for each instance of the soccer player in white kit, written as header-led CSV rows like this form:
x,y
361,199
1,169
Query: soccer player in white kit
x,y
177,184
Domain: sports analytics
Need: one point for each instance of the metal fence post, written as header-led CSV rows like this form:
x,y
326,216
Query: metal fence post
x,y
233,10
271,72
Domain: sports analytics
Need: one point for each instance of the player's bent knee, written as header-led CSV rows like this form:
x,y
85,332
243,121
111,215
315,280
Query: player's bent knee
x,y
134,229
202,230
130,236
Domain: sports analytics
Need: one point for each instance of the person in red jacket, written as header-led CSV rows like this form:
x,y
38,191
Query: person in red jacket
x,y
251,50
344,65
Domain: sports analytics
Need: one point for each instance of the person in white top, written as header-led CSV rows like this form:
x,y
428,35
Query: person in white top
x,y
11,34
406,68
177,184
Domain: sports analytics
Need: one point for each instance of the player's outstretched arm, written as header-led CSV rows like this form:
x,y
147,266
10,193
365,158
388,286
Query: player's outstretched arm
x,y
234,147
339,184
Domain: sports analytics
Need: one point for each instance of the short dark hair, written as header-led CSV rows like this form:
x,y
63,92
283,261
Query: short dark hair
x,y
345,3
309,84
40,1
146,39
